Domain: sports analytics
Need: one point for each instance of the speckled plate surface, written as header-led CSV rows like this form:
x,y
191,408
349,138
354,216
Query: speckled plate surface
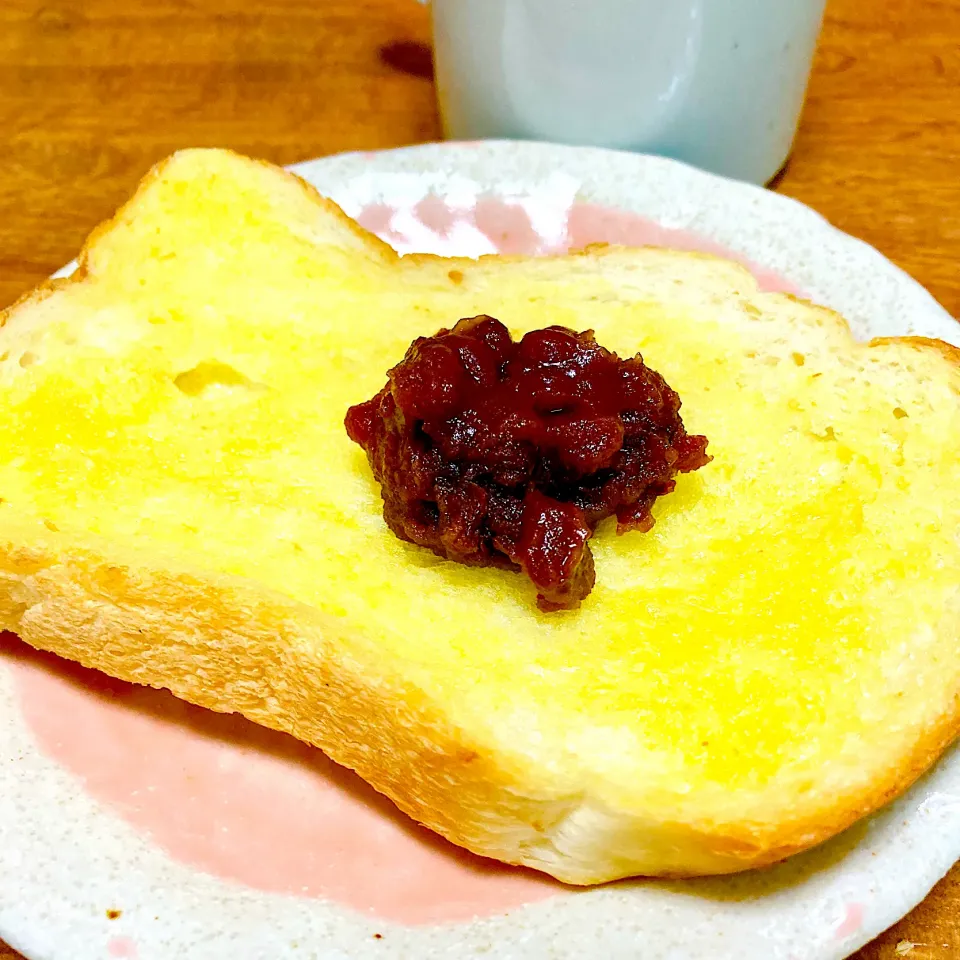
x,y
134,826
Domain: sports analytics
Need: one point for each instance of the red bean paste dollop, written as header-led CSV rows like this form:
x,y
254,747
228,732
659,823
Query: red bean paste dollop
x,y
492,452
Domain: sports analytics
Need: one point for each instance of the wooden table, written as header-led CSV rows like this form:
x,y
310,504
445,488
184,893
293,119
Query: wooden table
x,y
93,93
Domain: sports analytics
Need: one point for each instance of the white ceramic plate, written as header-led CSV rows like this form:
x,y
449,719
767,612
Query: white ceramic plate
x,y
134,826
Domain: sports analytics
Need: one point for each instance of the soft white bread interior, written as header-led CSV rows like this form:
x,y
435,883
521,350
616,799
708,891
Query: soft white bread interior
x,y
180,506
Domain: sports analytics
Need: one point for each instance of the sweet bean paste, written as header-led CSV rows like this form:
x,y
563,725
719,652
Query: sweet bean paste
x,y
498,453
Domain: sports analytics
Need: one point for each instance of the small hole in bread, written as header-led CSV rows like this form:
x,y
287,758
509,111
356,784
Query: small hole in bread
x,y
456,276
210,373
50,525
899,413
4,356
28,359
799,359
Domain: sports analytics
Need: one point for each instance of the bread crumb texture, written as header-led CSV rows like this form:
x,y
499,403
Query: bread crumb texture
x,y
180,506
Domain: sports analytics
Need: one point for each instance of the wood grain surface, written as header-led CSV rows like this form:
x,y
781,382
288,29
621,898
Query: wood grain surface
x,y
93,92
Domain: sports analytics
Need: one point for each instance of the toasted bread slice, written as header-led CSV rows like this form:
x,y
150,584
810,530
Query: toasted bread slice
x,y
181,507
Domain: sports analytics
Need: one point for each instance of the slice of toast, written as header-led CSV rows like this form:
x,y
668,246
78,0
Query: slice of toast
x,y
180,506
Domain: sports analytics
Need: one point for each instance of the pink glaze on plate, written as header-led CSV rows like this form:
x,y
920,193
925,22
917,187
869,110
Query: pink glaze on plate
x,y
852,921
251,805
508,229
123,948
259,808
587,223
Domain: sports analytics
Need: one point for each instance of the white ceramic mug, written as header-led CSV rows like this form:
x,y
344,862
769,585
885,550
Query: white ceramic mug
x,y
717,83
